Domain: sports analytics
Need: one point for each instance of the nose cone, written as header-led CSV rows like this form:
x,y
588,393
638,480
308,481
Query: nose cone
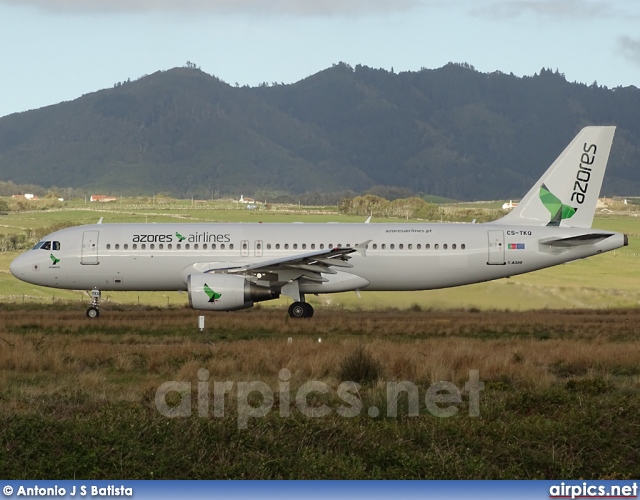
x,y
13,267
19,267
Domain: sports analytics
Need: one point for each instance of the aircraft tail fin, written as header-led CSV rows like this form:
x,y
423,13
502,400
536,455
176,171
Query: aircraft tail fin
x,y
567,194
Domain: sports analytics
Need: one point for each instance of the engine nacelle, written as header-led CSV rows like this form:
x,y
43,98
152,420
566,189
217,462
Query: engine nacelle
x,y
225,292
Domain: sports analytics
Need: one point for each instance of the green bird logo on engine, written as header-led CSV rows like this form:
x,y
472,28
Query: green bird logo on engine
x,y
180,237
558,210
54,259
213,296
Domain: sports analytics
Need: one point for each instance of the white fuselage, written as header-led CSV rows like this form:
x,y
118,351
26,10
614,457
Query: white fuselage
x,y
411,256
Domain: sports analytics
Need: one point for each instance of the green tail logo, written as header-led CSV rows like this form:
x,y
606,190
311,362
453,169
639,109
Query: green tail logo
x,y
558,210
213,296
180,237
53,259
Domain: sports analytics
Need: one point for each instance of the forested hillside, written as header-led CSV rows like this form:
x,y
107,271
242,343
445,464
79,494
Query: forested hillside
x,y
451,132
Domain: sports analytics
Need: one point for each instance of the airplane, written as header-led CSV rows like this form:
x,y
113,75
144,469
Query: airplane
x,y
225,267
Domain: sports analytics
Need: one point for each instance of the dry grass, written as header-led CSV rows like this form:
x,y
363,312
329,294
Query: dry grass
x,y
127,354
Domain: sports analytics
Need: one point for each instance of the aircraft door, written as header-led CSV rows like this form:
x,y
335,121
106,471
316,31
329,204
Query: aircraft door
x,y
90,248
244,245
257,249
496,248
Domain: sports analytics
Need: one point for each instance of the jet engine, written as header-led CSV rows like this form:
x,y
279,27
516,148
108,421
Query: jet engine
x,y
225,292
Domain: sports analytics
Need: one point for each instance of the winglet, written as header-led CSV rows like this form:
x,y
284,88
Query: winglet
x,y
368,220
100,221
361,248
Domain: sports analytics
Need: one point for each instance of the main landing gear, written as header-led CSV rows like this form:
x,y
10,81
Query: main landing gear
x,y
93,311
300,310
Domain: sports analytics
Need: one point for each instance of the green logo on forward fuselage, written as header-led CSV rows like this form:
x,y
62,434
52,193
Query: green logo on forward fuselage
x,y
558,210
54,259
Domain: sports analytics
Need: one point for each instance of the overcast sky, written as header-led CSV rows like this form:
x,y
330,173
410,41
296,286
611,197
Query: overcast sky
x,y
57,50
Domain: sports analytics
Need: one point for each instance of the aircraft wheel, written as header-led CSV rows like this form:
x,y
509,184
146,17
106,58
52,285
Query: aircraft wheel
x,y
298,310
309,310
93,312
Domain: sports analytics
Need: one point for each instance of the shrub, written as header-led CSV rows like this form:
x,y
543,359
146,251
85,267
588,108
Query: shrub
x,y
360,366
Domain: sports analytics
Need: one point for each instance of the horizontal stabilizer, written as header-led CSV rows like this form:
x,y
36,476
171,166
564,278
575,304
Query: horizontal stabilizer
x,y
575,241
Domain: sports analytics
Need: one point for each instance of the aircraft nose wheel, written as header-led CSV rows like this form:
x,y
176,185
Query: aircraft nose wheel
x,y
93,311
300,310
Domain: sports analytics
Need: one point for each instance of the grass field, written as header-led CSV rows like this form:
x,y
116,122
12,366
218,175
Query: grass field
x,y
560,396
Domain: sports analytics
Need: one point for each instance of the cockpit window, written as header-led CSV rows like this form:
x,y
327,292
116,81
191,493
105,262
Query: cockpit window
x,y
47,245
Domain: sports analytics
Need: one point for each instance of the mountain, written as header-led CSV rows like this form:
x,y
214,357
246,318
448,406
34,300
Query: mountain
x,y
451,132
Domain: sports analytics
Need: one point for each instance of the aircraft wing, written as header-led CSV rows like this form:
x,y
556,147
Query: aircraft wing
x,y
309,265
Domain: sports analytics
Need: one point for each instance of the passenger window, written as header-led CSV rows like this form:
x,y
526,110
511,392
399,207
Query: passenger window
x,y
161,246
444,246
321,246
244,246
258,246
436,246
169,246
117,246
383,246
268,246
427,246
222,246
418,246
187,246
46,245
453,246
400,246
392,246
295,246
178,246
135,247
143,246
213,246
313,246
108,246
277,246
152,246
126,246
330,245
204,246
462,247
304,246
409,246
375,246
230,246
286,246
